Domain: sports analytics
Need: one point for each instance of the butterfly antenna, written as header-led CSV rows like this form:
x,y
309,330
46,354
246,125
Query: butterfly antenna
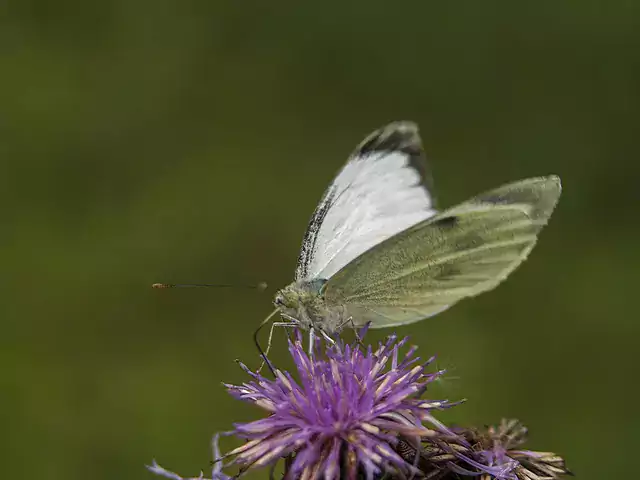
x,y
263,354
260,286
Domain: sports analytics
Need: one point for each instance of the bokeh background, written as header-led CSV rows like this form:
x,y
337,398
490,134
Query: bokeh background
x,y
189,141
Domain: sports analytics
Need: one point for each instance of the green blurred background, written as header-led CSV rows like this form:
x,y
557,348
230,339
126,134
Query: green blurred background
x,y
189,141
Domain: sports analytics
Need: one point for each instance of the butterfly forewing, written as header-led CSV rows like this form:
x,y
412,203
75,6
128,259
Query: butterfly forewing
x,y
458,253
383,189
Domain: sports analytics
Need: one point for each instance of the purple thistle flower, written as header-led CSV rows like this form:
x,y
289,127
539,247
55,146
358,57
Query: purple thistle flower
x,y
486,454
343,416
500,450
355,414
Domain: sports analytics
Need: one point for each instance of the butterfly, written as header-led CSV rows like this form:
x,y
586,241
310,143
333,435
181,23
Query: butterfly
x,y
377,252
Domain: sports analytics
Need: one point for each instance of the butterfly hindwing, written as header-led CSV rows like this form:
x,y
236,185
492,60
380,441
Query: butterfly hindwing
x,y
458,253
383,189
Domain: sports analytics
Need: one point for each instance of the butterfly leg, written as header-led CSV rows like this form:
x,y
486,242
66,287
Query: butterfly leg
x,y
312,339
313,336
355,330
327,337
356,333
265,359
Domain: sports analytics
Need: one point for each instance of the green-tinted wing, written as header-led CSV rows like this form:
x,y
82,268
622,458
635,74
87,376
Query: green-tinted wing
x,y
461,252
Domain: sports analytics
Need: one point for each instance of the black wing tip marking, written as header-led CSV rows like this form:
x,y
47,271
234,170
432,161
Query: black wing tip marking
x,y
402,136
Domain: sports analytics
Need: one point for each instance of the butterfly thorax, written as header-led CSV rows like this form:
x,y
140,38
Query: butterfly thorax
x,y
304,304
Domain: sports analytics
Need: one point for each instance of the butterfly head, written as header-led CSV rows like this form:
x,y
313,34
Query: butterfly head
x,y
287,299
301,302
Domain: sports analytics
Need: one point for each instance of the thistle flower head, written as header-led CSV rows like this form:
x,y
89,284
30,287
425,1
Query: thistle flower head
x,y
343,414
354,413
490,453
498,448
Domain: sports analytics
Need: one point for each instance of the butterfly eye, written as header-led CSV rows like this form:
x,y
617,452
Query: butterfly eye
x,y
279,301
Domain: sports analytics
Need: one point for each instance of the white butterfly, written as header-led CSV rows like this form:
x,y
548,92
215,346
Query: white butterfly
x,y
377,251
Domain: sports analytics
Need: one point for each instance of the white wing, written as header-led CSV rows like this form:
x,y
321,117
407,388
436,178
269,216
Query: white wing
x,y
381,191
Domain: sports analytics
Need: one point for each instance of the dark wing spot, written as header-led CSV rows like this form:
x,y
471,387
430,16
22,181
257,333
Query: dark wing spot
x,y
446,222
